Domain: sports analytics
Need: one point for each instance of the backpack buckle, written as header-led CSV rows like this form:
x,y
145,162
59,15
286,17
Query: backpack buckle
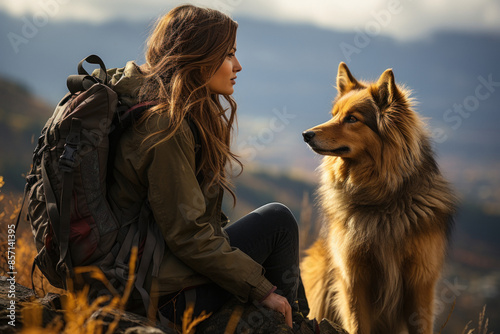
x,y
67,160
31,180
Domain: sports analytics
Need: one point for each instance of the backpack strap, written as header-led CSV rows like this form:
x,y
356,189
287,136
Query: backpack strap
x,y
94,59
60,219
33,265
79,83
153,247
83,81
31,179
25,193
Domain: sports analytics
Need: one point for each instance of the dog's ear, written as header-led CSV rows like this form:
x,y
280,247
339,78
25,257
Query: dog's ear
x,y
386,90
345,80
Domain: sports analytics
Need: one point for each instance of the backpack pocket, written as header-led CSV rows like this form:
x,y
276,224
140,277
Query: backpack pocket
x,y
47,261
37,213
83,240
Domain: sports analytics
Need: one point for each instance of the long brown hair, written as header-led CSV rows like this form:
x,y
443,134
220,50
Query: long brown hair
x,y
184,50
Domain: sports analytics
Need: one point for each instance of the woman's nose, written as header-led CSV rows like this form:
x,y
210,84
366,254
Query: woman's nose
x,y
237,66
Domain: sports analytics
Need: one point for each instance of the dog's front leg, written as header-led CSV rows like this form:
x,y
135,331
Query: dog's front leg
x,y
355,307
419,308
424,262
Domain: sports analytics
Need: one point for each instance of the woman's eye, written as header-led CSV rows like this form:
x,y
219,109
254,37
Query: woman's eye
x,y
230,55
350,119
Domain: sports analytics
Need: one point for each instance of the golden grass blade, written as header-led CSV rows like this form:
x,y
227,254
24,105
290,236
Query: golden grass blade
x,y
467,328
186,318
449,316
32,314
234,320
153,304
188,323
202,317
112,327
131,278
97,274
482,324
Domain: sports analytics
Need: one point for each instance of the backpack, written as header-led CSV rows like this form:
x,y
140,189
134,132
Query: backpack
x,y
71,219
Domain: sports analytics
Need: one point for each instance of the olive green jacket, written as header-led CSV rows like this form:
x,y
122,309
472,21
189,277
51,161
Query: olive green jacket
x,y
197,247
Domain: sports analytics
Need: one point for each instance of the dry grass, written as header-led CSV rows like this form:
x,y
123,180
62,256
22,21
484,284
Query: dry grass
x,y
84,317
449,316
78,311
482,324
188,323
25,250
234,320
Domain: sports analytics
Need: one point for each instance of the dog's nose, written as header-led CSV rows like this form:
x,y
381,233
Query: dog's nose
x,y
308,135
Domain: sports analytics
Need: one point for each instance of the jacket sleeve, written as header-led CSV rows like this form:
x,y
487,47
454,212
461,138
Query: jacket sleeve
x,y
179,209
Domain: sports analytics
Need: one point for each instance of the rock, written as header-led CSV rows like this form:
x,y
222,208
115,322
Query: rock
x,y
328,327
233,317
130,320
247,318
11,297
52,308
143,330
22,293
241,318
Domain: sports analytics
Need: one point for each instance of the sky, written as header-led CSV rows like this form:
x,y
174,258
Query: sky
x,y
401,19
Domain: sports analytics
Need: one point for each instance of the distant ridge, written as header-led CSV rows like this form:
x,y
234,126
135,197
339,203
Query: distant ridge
x,y
22,116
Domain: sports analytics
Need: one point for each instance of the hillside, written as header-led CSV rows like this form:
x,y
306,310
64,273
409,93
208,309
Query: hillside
x,y
22,116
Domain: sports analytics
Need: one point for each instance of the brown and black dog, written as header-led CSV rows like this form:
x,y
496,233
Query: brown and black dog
x,y
387,212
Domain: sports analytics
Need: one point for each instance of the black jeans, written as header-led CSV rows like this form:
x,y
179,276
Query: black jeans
x,y
269,235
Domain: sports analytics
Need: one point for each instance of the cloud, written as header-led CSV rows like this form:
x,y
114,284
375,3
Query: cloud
x,y
397,18
402,19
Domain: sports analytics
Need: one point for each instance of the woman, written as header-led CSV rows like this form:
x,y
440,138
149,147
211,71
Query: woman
x,y
175,157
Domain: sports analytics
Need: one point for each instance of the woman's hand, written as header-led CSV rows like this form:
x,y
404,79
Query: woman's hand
x,y
280,304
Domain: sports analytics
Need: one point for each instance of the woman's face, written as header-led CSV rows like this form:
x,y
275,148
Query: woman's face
x,y
223,80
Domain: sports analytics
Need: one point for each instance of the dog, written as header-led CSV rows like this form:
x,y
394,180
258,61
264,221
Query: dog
x,y
388,212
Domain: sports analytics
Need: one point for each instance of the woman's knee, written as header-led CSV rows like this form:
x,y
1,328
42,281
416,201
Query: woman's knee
x,y
281,215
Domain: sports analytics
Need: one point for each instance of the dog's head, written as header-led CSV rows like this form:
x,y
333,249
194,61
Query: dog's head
x,y
365,117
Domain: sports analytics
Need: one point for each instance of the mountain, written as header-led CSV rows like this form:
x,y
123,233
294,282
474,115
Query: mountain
x,y
288,76
286,86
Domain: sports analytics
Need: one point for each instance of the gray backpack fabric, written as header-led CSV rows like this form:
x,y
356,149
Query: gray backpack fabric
x,y
71,219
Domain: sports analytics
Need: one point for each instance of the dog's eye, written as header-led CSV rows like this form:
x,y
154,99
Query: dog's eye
x,y
350,119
